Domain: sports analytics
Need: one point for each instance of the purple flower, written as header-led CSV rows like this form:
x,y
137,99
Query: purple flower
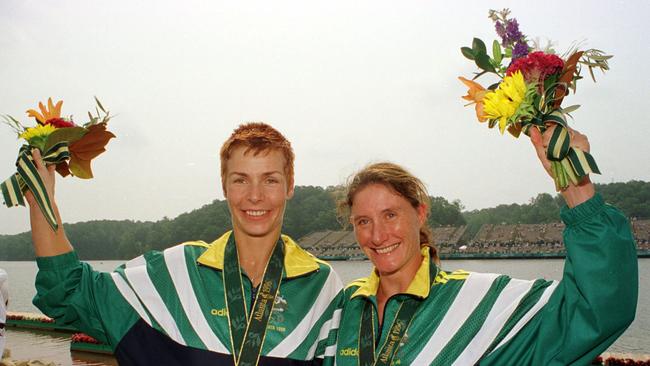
x,y
501,30
520,50
509,32
512,31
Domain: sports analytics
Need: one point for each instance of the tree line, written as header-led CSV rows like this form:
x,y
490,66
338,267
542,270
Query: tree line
x,y
311,209
633,198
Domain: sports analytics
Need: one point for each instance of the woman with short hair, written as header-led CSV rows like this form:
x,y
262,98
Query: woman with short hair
x,y
251,297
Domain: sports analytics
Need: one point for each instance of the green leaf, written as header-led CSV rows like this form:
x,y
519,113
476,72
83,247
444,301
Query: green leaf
x,y
509,52
13,119
467,52
569,172
478,74
600,57
591,72
100,104
478,46
496,52
570,108
483,61
13,124
550,84
70,134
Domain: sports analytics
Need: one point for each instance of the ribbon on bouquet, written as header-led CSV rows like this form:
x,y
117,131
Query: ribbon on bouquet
x,y
568,163
27,178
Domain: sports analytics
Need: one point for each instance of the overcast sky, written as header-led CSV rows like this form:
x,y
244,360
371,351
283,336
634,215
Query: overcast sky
x,y
348,82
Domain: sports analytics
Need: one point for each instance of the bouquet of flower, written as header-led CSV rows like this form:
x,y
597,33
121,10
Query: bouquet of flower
x,y
530,91
61,142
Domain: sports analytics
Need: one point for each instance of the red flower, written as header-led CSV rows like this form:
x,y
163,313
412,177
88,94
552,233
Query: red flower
x,y
59,122
537,66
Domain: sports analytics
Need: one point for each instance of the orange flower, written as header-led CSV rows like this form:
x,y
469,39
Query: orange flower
x,y
475,95
52,111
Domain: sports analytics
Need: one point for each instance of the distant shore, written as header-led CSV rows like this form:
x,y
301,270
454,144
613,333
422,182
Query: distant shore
x,y
447,256
444,256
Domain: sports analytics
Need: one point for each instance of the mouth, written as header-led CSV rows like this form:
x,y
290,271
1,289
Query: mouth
x,y
388,249
256,213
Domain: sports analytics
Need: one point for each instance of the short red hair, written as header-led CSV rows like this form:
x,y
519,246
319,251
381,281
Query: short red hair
x,y
257,137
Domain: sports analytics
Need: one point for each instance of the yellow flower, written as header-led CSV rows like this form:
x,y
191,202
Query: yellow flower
x,y
36,136
502,103
52,111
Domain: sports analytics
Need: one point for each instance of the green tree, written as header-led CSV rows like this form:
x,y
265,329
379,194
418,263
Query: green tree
x,y
311,209
444,213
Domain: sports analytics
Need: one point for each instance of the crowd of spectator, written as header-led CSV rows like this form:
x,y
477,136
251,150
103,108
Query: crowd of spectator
x,y
491,239
519,238
641,230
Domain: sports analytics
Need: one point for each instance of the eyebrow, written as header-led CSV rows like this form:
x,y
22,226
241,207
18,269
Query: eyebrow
x,y
264,174
395,209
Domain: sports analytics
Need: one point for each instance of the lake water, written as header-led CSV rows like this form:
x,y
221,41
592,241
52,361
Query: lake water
x,y
55,347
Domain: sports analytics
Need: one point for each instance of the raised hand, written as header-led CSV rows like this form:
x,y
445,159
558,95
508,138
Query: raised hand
x,y
574,194
46,241
47,176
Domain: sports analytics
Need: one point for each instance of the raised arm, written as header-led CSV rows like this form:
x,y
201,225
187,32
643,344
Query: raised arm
x,y
47,243
68,290
573,321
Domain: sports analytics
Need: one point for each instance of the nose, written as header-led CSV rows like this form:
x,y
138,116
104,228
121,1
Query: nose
x,y
255,193
379,234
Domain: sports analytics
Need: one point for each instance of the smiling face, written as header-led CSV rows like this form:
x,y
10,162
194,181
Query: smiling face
x,y
256,188
387,227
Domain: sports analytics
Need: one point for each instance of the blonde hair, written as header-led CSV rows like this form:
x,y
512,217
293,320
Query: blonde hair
x,y
400,181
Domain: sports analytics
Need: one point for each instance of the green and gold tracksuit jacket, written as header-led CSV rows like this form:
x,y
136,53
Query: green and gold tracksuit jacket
x,y
168,308
467,318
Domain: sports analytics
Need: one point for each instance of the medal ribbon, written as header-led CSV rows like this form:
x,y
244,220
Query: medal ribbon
x,y
247,331
27,178
568,163
394,337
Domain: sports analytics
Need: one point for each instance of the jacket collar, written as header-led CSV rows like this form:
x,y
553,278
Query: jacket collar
x,y
419,286
297,262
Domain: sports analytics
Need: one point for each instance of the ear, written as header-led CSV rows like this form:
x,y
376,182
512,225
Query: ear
x,y
422,211
290,189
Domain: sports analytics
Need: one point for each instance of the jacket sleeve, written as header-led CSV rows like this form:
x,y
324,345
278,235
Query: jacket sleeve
x,y
329,345
75,295
594,302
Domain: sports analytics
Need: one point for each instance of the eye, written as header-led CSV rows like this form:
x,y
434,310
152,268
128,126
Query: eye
x,y
362,221
391,215
272,180
239,180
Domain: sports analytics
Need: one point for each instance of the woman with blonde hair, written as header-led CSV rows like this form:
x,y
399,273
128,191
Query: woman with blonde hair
x,y
411,312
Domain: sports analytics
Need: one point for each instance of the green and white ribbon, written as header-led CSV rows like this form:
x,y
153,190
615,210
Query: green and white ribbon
x,y
27,178
248,330
367,334
568,164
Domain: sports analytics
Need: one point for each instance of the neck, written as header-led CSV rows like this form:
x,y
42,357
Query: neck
x,y
398,282
254,254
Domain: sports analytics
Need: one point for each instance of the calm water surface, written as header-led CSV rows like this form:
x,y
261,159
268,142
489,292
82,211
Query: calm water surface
x,y
54,346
